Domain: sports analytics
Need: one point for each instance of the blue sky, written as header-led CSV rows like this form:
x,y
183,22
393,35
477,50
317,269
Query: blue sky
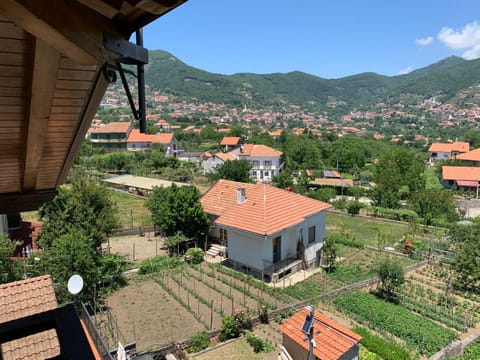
x,y
327,38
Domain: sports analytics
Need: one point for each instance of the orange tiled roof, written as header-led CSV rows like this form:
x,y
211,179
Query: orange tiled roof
x,y
230,140
113,127
225,156
266,211
24,298
333,182
461,173
473,155
332,339
254,150
162,138
456,146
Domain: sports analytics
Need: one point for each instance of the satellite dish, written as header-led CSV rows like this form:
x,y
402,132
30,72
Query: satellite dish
x,y
75,284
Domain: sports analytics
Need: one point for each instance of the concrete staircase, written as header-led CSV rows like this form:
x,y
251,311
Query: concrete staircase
x,y
215,250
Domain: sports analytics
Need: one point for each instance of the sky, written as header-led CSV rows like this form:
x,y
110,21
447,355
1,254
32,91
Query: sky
x,y
327,38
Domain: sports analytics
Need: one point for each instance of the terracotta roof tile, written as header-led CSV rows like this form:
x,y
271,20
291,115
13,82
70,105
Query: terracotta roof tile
x,y
473,155
225,156
254,150
266,211
230,140
332,339
24,298
113,127
461,173
160,138
449,147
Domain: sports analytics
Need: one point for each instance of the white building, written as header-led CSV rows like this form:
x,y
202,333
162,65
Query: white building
x,y
269,232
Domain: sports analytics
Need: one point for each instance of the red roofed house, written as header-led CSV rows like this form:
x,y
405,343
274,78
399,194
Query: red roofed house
x,y
112,136
140,142
229,143
441,151
269,232
471,158
215,160
266,161
333,341
463,177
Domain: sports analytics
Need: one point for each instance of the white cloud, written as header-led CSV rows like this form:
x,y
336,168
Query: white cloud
x,y
467,38
407,70
424,41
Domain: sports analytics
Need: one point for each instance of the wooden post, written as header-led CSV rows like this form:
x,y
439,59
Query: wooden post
x,y
211,314
156,247
232,305
133,253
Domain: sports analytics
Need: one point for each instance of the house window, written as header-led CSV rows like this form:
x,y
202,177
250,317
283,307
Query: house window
x,y
267,163
277,249
311,234
255,163
267,174
223,235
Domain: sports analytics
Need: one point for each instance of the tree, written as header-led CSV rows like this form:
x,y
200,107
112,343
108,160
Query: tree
x,y
391,277
10,269
72,253
178,209
397,172
236,170
86,207
329,251
431,204
283,180
464,242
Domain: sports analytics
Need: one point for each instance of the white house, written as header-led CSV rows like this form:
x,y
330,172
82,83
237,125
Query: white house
x,y
269,232
140,142
443,151
266,161
214,160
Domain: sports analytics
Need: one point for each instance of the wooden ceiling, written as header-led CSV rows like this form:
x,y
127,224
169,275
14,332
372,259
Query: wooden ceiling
x,y
51,83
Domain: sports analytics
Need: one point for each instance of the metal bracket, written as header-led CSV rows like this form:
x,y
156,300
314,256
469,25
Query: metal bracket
x,y
130,52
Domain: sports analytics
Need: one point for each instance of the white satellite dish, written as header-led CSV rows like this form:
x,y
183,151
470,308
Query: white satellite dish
x,y
75,284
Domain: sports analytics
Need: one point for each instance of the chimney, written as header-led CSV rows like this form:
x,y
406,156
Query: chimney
x,y
241,195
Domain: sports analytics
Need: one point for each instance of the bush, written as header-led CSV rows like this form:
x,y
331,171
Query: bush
x,y
386,349
198,342
229,328
353,207
263,314
258,344
194,255
159,263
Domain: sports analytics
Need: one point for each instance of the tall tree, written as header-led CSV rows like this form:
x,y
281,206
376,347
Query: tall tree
x,y
398,173
431,204
235,170
10,269
178,209
85,206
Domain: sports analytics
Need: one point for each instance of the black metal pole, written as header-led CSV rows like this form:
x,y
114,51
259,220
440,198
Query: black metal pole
x,y
142,112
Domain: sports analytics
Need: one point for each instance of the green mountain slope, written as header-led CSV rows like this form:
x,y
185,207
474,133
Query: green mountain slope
x,y
167,73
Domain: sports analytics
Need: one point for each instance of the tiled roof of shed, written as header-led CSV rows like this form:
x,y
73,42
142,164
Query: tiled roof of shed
x,y
332,339
461,173
266,211
473,155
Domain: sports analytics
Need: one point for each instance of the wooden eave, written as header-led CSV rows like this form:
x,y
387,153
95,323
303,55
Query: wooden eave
x,y
52,58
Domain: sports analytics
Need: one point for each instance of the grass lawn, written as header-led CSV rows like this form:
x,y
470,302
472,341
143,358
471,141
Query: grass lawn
x,y
132,210
365,230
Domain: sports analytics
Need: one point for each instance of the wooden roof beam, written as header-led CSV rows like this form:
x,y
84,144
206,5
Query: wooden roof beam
x,y
45,68
76,31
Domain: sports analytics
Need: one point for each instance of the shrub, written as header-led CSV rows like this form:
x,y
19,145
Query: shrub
x,y
391,276
353,207
194,255
229,328
198,342
156,264
243,319
263,314
386,349
258,344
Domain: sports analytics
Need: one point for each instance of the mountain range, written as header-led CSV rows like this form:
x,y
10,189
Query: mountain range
x,y
443,79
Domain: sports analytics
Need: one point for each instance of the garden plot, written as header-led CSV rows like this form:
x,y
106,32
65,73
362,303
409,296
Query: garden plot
x,y
148,315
